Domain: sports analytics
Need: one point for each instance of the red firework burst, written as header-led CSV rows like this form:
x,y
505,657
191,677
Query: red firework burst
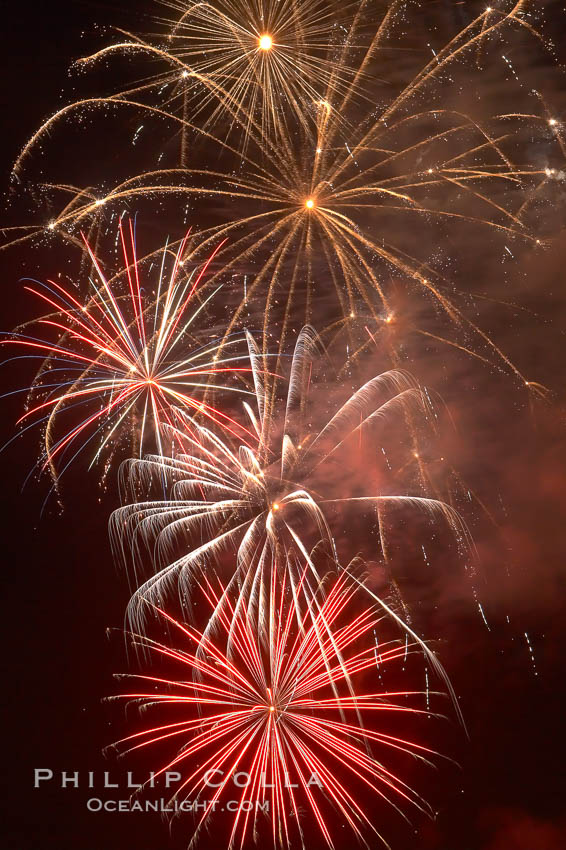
x,y
271,711
127,356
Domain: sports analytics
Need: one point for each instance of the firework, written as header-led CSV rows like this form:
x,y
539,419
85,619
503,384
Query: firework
x,y
276,718
341,162
274,504
239,68
125,358
325,212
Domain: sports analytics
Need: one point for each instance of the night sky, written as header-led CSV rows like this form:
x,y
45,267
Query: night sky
x,y
62,591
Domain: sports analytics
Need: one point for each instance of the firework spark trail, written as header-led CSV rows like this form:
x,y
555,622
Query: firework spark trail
x,y
279,708
309,192
274,505
126,357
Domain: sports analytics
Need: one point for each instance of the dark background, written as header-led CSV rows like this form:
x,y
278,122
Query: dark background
x,y
61,591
